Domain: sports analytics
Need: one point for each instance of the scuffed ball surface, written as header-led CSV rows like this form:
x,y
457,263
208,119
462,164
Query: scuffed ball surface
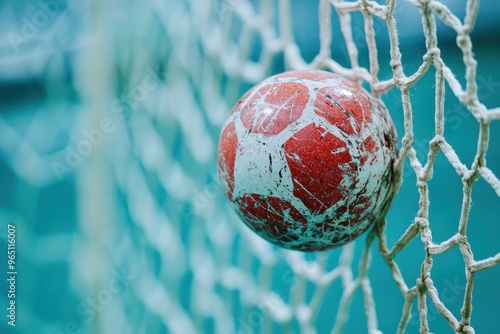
x,y
305,158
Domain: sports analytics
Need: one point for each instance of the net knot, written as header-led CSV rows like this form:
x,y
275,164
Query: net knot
x,y
428,282
468,330
461,239
438,139
462,39
422,222
432,53
421,287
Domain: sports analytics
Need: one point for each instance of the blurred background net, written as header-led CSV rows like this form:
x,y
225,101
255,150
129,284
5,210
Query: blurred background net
x,y
110,113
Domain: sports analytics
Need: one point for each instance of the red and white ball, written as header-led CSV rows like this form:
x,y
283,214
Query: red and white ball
x,y
306,159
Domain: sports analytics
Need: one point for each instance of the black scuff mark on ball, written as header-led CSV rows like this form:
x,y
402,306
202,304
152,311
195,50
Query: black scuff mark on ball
x,y
388,140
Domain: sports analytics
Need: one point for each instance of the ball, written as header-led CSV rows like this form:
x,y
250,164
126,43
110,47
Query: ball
x,y
306,160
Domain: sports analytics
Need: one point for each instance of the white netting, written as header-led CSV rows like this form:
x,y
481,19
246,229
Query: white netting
x,y
158,79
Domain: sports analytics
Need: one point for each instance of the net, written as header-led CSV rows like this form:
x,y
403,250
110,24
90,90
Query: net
x,y
141,237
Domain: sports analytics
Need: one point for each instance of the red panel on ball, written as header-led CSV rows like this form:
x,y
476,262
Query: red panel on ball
x,y
343,108
274,107
227,156
277,218
318,162
367,149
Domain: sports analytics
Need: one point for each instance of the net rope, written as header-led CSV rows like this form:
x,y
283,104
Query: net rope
x,y
135,192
